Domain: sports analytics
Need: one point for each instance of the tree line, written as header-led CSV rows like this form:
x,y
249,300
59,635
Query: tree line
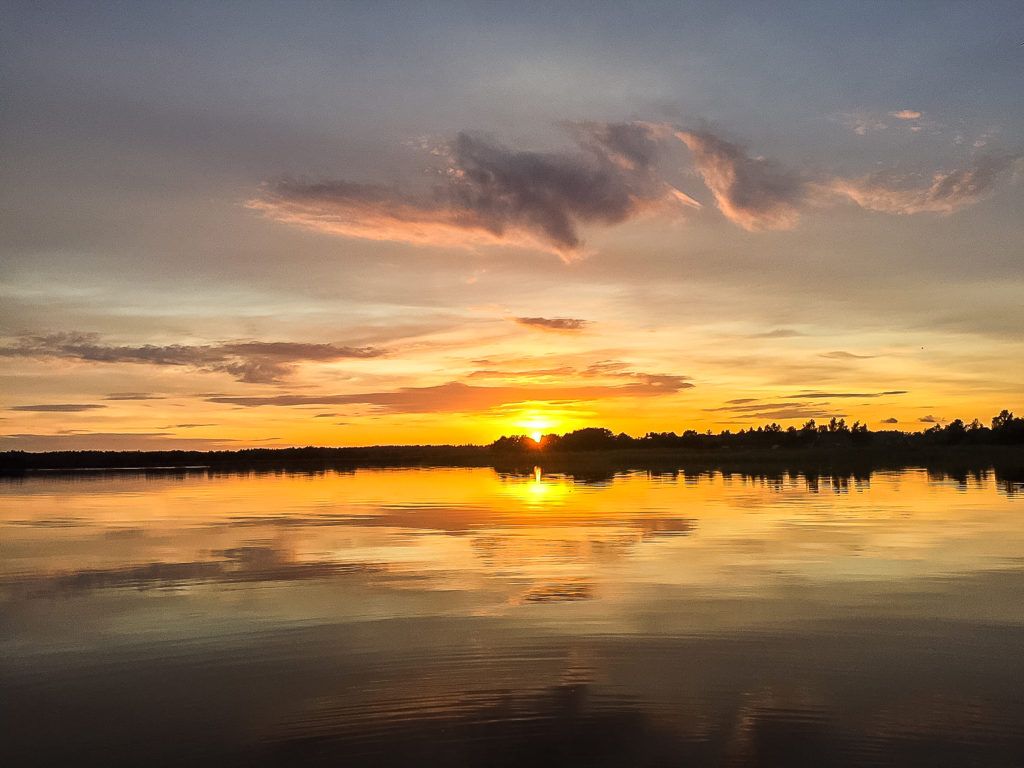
x,y
1005,429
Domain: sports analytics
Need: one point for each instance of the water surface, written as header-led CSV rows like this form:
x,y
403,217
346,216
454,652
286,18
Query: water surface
x,y
464,617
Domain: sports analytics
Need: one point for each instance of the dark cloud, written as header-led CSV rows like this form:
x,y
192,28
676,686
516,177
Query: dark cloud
x,y
490,193
249,361
455,397
553,323
753,192
134,396
891,420
58,407
929,419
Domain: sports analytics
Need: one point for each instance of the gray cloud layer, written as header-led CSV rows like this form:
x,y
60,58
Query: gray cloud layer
x,y
249,361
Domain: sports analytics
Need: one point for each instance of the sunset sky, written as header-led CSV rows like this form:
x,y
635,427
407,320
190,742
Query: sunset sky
x,y
233,225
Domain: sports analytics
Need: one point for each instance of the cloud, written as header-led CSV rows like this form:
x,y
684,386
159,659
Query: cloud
x,y
110,441
778,333
58,407
906,114
929,419
249,361
134,396
605,369
754,192
860,122
553,323
491,194
826,395
842,355
891,420
942,193
795,413
748,408
487,193
493,373
760,194
456,397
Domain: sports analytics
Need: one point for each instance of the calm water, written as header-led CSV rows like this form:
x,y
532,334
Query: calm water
x,y
462,617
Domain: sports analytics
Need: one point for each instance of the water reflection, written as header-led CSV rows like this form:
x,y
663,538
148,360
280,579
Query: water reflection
x,y
469,617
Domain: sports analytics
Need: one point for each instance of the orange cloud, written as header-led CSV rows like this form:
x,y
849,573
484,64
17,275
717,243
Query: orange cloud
x,y
753,192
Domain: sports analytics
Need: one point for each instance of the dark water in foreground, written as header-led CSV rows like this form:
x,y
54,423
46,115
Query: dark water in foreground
x,y
459,617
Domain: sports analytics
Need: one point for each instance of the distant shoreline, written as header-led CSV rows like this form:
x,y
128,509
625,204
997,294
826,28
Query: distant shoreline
x,y
848,458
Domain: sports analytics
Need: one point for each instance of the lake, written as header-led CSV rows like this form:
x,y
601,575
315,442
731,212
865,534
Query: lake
x,y
465,617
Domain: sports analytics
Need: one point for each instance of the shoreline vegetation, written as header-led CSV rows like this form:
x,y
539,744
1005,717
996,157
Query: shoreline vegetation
x,y
594,453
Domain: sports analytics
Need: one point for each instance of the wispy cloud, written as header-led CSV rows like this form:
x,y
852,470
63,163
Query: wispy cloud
x,y
795,413
560,324
778,333
456,397
58,407
490,193
944,192
134,396
259,362
840,354
906,114
829,395
607,370
77,440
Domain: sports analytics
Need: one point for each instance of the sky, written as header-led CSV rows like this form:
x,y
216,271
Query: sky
x,y
263,224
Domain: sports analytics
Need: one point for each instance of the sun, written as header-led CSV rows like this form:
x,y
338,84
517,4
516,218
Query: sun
x,y
536,436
